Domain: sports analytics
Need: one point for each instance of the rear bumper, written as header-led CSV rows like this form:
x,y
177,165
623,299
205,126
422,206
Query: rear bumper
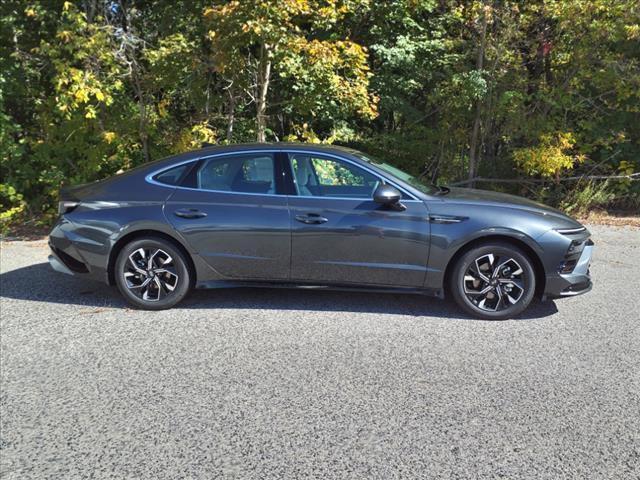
x,y
68,254
58,265
571,284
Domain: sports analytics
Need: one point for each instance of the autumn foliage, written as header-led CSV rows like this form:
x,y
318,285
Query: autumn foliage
x,y
449,90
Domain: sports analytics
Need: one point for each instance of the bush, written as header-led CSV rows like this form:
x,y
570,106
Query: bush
x,y
587,196
12,207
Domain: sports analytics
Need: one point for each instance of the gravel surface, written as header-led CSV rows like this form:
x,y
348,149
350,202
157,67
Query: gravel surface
x,y
290,384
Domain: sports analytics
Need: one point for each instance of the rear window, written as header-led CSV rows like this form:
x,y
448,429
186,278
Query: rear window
x,y
252,173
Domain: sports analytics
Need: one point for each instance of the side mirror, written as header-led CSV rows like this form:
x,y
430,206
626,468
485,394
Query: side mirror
x,y
389,196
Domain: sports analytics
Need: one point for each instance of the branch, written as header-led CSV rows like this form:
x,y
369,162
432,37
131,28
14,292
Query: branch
x,y
632,177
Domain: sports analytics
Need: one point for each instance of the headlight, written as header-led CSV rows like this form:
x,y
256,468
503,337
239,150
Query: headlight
x,y
576,247
66,207
573,255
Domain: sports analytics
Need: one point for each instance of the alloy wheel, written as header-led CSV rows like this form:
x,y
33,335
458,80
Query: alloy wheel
x,y
493,283
150,274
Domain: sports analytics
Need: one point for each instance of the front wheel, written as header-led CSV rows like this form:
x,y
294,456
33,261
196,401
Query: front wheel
x,y
494,281
152,274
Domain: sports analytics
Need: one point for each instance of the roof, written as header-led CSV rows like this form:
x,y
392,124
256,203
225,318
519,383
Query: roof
x,y
238,147
272,145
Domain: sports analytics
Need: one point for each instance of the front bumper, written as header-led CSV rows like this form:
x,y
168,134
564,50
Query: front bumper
x,y
577,282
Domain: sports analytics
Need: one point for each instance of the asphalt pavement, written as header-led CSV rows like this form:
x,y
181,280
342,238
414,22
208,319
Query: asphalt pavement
x,y
274,383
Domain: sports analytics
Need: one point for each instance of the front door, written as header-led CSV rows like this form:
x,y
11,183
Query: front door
x,y
341,236
233,216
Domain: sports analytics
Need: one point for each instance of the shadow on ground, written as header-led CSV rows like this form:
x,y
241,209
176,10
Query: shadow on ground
x,y
40,283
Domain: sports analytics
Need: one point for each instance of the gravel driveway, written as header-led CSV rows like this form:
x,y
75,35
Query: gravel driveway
x,y
290,384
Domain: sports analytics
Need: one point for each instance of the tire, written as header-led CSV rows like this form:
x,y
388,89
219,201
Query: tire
x,y
158,285
493,281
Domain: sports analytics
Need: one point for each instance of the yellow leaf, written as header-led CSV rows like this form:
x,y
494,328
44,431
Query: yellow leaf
x,y
64,35
633,32
81,96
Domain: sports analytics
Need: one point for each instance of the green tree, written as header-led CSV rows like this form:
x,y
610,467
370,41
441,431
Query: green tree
x,y
251,39
447,89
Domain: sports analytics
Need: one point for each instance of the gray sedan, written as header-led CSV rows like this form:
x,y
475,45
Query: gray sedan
x,y
310,216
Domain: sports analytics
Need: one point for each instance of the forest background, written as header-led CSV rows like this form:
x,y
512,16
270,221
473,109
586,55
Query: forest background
x,y
535,97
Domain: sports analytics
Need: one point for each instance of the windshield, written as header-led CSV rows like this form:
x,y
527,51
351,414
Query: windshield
x,y
400,175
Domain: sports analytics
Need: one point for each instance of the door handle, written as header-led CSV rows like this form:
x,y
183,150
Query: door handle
x,y
311,219
189,213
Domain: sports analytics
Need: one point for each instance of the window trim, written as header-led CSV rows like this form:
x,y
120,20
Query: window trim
x,y
285,151
284,180
200,161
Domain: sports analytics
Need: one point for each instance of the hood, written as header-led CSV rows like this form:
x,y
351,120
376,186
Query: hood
x,y
485,197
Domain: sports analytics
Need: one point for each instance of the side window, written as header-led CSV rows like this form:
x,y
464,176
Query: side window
x,y
326,177
173,175
238,173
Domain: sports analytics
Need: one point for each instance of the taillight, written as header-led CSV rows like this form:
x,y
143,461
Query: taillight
x,y
66,207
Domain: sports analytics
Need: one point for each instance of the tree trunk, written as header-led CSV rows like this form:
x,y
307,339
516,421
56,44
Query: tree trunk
x,y
264,75
137,85
142,124
231,114
474,150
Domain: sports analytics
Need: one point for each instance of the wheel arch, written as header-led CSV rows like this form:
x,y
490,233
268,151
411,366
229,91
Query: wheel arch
x,y
145,233
538,267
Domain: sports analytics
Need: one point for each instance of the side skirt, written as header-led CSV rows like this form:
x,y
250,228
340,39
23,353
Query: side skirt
x,y
219,284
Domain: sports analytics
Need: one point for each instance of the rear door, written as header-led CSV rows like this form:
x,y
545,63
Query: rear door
x,y
229,209
341,236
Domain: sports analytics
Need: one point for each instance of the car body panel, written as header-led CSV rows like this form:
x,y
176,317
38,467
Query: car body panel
x,y
90,235
361,242
472,197
241,237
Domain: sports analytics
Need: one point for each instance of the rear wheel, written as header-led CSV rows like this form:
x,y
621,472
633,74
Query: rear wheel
x,y
494,281
152,274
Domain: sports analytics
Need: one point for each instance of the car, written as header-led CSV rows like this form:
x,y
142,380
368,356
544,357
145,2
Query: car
x,y
314,216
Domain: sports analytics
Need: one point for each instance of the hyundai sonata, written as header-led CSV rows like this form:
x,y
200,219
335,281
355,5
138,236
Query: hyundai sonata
x,y
304,216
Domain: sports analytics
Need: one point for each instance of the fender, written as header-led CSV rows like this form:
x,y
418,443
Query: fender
x,y
203,271
447,241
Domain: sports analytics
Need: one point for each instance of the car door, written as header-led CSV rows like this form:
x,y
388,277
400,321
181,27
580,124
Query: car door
x,y
341,236
229,210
